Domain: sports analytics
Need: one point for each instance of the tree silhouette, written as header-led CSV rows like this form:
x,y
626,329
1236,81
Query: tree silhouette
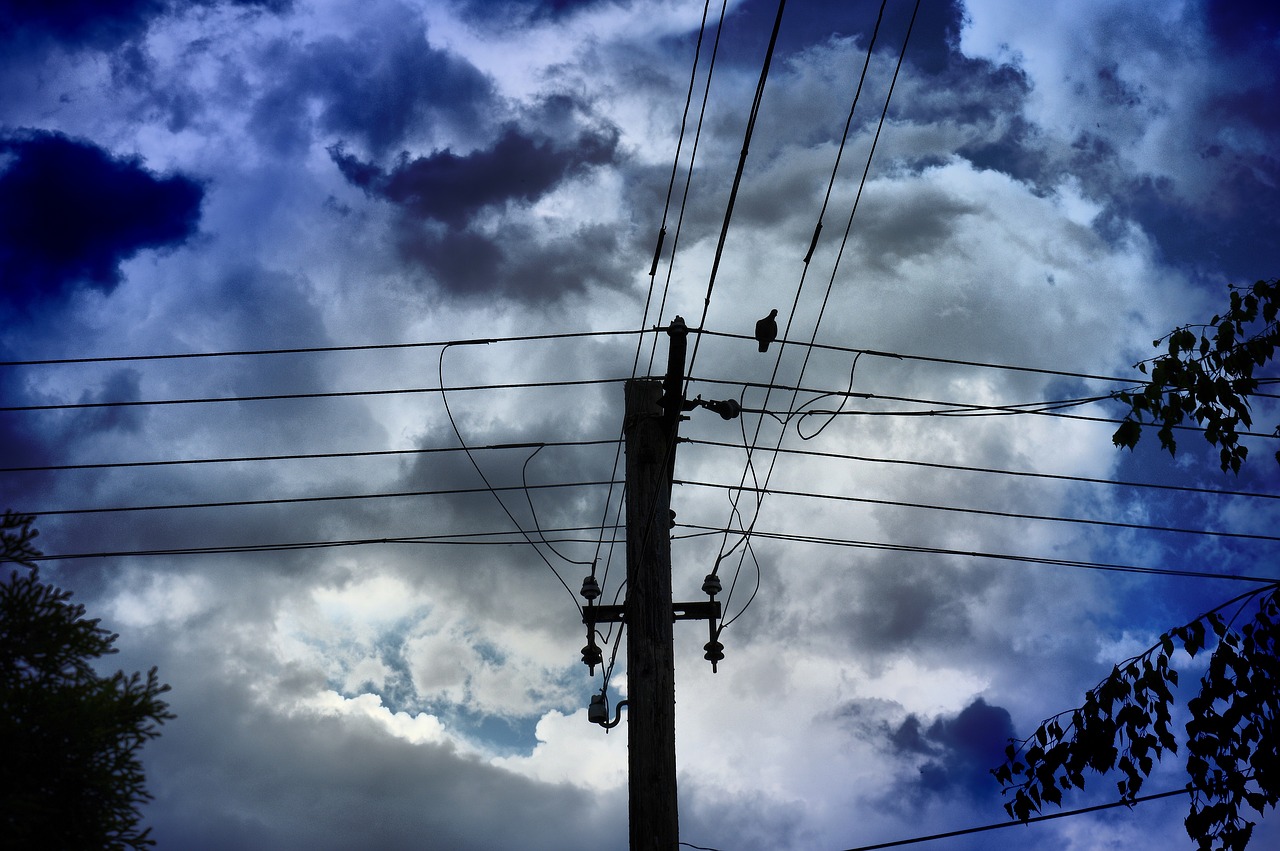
x,y
1206,375
70,775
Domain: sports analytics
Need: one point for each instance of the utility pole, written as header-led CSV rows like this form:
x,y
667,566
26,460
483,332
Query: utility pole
x,y
652,421
651,426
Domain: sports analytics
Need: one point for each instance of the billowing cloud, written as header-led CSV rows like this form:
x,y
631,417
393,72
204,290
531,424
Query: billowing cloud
x,y
71,212
363,646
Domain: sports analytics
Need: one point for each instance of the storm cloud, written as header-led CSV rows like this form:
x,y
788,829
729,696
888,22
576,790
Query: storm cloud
x,y
71,213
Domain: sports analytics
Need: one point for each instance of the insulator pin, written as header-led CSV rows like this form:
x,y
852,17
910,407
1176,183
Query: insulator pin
x,y
715,652
591,656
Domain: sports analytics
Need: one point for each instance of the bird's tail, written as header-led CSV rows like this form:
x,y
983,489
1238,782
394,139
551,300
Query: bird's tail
x,y
764,347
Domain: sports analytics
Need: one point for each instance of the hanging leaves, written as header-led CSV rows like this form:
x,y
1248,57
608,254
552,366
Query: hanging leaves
x,y
1232,745
1206,376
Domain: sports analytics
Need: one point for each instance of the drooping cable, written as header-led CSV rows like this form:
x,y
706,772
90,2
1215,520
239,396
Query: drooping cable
x,y
453,423
533,512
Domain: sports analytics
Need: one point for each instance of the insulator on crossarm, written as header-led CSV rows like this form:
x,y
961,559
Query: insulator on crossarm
x,y
711,585
590,589
591,656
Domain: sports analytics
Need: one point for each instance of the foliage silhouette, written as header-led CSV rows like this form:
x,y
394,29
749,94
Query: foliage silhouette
x,y
1233,737
1207,375
70,776
1233,745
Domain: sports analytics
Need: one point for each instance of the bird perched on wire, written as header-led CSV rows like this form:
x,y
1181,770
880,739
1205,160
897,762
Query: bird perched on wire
x,y
767,330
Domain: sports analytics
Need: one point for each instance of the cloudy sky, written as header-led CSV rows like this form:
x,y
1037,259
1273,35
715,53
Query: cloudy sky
x,y
1052,188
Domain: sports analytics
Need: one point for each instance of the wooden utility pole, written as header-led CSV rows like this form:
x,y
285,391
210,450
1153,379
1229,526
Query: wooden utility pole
x,y
653,411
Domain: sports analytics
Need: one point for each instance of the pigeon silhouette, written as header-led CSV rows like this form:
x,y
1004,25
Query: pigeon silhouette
x,y
767,330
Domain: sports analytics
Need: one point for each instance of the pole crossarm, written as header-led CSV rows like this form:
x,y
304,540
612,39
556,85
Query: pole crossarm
x,y
696,611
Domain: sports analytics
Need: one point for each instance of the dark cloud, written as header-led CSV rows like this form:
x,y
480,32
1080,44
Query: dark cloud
x,y
467,263
450,188
511,14
959,751
78,23
1244,26
470,264
70,213
439,196
935,37
1237,238
378,86
100,24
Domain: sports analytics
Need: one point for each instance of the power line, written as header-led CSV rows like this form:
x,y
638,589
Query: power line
x,y
792,312
688,181
449,539
504,538
444,399
519,385
998,825
737,176
310,456
318,349
302,499
829,347
1109,567
746,532
961,468
657,253
985,512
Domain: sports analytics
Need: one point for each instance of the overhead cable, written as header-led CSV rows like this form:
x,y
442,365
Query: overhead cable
x,y
1033,819
1108,567
319,349
309,456
125,403
987,512
502,538
239,503
996,471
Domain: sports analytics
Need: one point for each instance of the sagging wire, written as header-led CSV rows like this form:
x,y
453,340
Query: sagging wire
x,y
537,526
444,397
745,538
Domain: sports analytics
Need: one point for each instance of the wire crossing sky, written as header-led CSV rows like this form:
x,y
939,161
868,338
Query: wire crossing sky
x,y
314,326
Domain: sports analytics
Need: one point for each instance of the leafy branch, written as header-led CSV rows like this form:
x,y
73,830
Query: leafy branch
x,y
1232,737
16,535
1207,375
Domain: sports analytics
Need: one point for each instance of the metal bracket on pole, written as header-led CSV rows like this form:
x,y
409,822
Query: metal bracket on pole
x,y
697,611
